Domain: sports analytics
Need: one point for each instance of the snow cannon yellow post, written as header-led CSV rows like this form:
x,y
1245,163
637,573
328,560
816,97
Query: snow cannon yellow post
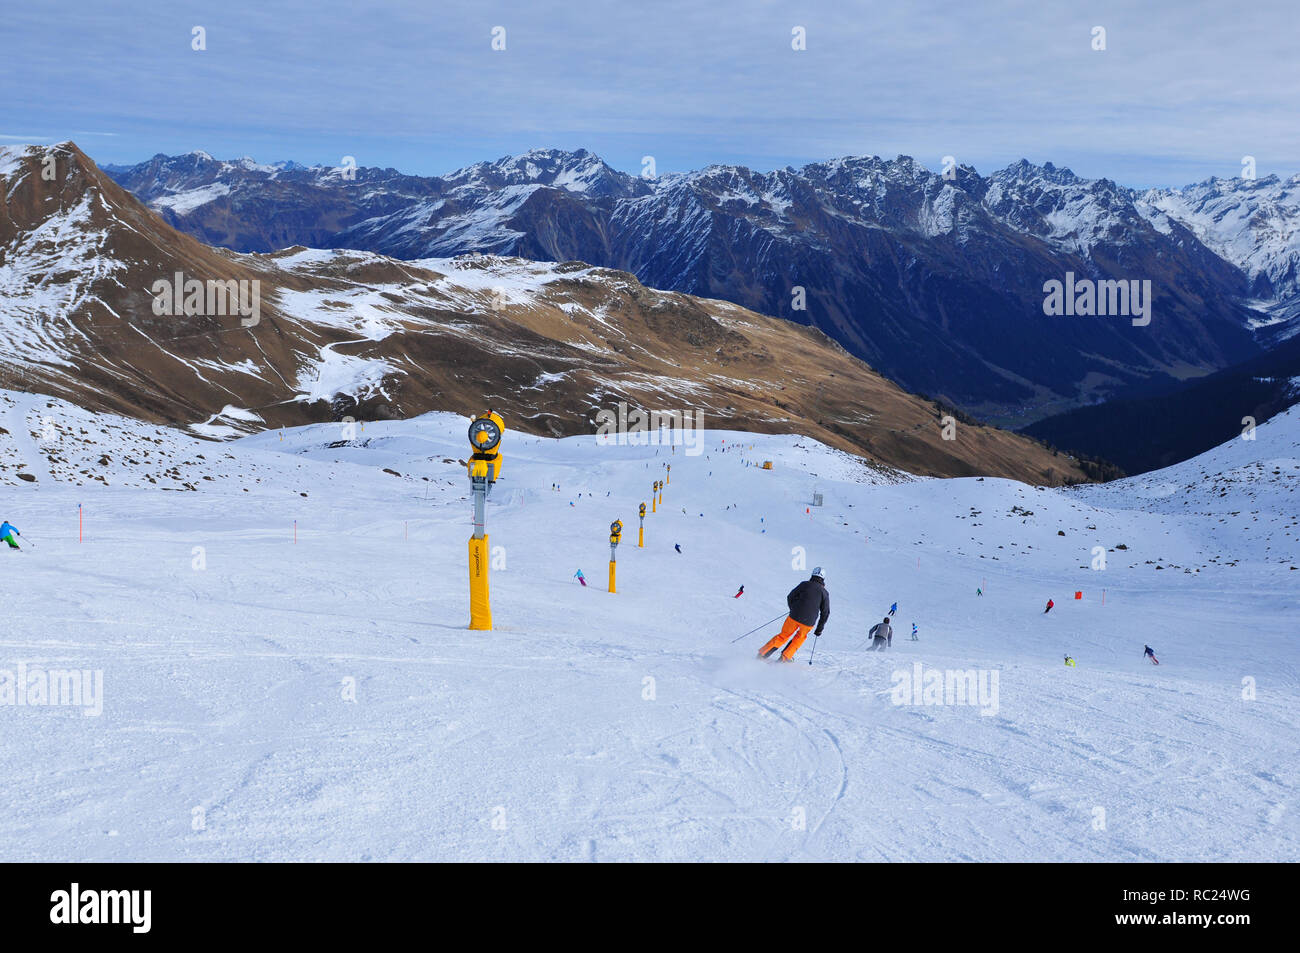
x,y
668,477
659,485
640,533
654,497
484,466
615,536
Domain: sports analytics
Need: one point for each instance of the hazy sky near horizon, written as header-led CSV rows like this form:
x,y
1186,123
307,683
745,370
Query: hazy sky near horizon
x,y
1183,90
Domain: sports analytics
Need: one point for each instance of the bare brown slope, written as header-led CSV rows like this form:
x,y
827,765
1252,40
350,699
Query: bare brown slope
x,y
108,250
548,345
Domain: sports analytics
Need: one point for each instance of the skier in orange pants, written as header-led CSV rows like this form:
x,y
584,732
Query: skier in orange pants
x,y
809,604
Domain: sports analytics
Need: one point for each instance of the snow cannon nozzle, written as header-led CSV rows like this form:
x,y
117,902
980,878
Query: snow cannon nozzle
x,y
485,432
484,435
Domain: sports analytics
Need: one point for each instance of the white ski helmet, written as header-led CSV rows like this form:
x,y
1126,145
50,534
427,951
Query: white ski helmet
x,y
818,571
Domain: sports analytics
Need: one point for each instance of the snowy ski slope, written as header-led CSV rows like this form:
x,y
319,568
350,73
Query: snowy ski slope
x,y
591,726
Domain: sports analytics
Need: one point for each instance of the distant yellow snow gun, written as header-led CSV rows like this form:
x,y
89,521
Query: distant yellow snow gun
x,y
615,537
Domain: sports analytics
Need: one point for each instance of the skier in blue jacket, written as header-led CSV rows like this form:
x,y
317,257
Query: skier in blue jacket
x,y
7,533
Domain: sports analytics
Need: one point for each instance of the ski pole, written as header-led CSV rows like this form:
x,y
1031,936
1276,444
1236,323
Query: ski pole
x,y
814,649
752,631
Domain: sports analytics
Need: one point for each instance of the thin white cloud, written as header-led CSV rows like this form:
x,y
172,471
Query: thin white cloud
x,y
1183,89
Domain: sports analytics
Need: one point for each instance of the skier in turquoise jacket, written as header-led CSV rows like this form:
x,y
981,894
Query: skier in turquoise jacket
x,y
7,533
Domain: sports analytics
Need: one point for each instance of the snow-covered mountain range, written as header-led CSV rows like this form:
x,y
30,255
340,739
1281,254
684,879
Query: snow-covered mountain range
x,y
1253,223
345,333
936,280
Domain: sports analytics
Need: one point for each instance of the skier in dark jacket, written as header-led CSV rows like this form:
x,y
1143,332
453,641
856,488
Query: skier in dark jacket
x,y
809,604
1151,654
882,635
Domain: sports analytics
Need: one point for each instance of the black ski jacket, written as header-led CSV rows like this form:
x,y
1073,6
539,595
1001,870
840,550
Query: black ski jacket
x,y
810,603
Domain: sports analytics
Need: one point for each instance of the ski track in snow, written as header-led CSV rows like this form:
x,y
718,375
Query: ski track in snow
x,y
223,685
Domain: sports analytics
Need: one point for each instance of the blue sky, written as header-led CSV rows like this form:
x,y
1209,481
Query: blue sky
x,y
1182,92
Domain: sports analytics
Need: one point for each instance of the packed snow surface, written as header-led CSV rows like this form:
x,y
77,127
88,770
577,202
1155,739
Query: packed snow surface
x,y
235,619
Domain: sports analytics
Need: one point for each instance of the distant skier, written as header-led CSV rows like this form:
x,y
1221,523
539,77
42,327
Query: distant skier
x,y
809,603
882,635
979,591
914,635
893,609
740,593
581,578
7,533
1050,603
678,547
1151,654
1070,662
